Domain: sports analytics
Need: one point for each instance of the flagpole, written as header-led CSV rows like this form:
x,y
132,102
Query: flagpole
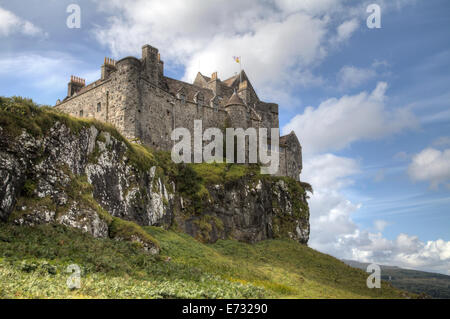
x,y
240,69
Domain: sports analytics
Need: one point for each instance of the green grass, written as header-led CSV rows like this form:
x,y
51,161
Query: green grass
x,y
33,264
126,230
19,114
33,260
222,173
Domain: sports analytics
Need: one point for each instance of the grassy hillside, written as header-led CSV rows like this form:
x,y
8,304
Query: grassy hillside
x,y
33,263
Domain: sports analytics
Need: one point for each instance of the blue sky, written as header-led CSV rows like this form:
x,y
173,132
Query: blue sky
x,y
371,107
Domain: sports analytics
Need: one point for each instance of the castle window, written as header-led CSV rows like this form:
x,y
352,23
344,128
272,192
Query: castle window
x,y
199,98
99,107
181,97
214,103
81,113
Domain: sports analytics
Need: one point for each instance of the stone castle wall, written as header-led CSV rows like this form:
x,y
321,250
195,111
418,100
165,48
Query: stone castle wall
x,y
131,96
161,113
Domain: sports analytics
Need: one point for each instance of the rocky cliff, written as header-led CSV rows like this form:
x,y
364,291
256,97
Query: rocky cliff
x,y
84,174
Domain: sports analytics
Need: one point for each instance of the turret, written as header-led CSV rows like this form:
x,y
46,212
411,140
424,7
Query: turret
x,y
237,111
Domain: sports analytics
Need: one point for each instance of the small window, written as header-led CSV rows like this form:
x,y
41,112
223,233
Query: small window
x,y
81,113
99,107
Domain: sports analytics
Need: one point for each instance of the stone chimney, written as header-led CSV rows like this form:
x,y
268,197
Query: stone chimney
x,y
214,84
75,85
108,67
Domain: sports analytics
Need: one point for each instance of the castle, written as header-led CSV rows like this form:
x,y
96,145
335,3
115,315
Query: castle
x,y
137,98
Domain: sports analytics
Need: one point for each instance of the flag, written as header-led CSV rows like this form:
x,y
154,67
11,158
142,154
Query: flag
x,y
237,59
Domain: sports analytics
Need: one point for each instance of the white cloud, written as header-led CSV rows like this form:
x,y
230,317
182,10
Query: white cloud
x,y
333,230
346,29
380,224
328,171
330,210
313,7
336,123
10,23
280,41
431,165
350,76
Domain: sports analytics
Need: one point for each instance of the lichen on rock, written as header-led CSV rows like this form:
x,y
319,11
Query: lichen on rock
x,y
84,174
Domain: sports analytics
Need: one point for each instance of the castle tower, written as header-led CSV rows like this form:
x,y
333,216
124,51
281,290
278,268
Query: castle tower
x,y
153,66
237,112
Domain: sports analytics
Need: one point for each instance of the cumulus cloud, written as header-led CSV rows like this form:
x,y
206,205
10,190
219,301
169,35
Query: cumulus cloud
x,y
431,165
328,171
280,41
336,123
10,24
333,230
346,29
330,210
313,7
380,224
351,77
405,251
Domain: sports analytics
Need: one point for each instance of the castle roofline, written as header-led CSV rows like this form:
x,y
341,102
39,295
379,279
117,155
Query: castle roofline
x,y
235,100
207,79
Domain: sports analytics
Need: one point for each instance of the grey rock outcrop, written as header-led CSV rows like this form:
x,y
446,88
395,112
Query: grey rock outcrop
x,y
83,179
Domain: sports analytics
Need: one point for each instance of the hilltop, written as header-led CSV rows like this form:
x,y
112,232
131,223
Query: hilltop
x,y
76,191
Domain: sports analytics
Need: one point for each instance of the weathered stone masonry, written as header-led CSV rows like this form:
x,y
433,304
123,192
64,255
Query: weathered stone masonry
x,y
135,96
